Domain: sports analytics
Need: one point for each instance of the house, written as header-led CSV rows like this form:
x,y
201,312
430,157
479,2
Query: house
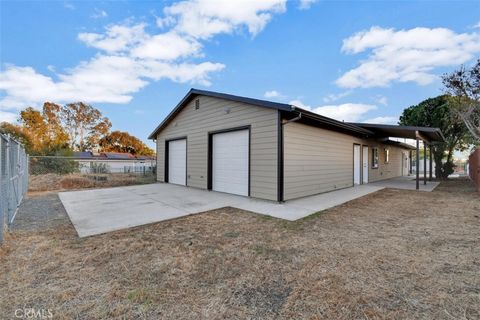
x,y
274,151
113,162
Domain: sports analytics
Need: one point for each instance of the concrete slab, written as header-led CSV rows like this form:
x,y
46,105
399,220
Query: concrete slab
x,y
406,183
103,210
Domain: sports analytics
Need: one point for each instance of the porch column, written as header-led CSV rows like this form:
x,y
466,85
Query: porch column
x,y
417,162
410,159
424,162
430,158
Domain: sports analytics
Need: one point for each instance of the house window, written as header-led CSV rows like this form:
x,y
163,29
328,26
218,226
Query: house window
x,y
387,155
374,158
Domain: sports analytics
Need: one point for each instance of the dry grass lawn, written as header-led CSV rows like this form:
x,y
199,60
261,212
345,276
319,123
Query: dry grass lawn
x,y
62,182
390,255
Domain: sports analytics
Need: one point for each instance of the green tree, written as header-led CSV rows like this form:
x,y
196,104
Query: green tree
x,y
118,141
463,88
84,124
436,112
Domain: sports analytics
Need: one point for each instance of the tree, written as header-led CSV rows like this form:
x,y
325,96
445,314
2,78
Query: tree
x,y
84,124
463,88
118,141
39,131
436,112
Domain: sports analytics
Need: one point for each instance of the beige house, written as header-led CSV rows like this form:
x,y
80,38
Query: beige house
x,y
272,150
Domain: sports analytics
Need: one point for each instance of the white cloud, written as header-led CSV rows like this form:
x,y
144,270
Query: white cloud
x,y
129,57
204,19
117,38
382,120
272,94
381,100
405,55
348,112
98,14
69,5
476,26
8,116
306,4
334,97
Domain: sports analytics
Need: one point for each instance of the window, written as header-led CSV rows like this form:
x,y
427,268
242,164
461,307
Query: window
x,y
374,158
387,155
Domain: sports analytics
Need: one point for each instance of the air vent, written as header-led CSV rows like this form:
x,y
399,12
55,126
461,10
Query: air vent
x,y
197,104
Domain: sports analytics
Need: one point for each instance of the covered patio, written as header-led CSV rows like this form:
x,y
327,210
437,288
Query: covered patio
x,y
429,137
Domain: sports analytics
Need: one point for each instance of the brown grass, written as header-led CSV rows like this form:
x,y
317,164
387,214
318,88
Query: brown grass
x,y
57,182
390,255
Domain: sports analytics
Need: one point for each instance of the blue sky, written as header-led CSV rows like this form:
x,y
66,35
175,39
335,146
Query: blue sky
x,y
134,60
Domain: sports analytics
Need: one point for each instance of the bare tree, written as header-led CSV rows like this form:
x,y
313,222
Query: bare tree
x,y
463,87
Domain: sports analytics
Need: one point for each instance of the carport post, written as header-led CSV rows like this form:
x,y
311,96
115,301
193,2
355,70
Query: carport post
x,y
424,162
417,162
430,158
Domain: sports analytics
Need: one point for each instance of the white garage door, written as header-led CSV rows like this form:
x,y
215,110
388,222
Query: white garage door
x,y
177,161
230,162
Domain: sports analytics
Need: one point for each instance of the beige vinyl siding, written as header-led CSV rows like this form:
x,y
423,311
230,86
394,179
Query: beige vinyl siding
x,y
213,115
317,160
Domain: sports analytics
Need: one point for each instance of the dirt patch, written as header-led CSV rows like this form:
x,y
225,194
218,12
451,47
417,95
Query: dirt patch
x,y
57,182
393,254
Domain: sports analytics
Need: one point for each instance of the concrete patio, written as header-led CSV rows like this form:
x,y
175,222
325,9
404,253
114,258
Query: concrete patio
x,y
406,183
103,210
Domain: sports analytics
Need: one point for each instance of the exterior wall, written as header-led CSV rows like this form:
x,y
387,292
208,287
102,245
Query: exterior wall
x,y
318,160
211,116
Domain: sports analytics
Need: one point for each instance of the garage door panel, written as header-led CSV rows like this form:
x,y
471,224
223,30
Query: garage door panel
x,y
230,162
177,161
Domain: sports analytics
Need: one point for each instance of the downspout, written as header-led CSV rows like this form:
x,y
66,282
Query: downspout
x,y
280,166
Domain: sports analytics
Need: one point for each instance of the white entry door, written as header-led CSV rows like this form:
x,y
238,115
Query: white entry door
x,y
230,162
365,164
356,164
177,162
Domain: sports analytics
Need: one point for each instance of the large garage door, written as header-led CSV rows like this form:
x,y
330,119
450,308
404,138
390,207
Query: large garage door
x,y
230,162
177,161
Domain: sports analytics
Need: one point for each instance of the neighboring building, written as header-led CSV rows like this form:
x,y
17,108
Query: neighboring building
x,y
272,150
113,162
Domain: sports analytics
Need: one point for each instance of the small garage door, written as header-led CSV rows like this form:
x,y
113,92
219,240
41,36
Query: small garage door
x,y
230,157
177,161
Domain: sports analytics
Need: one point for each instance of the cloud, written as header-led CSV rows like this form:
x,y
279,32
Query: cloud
x,y
382,120
405,55
272,94
129,57
8,116
98,14
381,100
306,4
204,19
334,97
348,112
68,5
476,26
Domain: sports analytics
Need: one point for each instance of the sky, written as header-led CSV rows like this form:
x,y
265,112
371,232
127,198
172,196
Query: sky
x,y
355,61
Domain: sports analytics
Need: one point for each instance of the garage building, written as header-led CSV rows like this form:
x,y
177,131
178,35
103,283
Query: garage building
x,y
274,151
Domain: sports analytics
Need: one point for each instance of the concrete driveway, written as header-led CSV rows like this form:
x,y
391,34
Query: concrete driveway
x,y
98,211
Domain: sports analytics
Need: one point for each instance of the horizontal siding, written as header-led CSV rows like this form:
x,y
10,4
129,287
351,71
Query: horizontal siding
x,y
318,160
211,116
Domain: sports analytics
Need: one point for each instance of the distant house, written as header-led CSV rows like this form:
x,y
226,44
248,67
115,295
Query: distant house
x,y
113,162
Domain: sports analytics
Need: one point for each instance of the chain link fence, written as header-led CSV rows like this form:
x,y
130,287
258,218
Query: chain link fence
x,y
49,173
13,180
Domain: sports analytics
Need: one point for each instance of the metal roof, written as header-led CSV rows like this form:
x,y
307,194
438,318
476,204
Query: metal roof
x,y
363,129
409,132
288,108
